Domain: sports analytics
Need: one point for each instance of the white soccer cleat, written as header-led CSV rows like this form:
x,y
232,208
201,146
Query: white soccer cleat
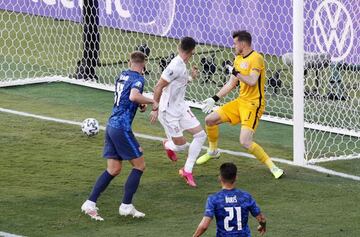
x,y
129,210
90,209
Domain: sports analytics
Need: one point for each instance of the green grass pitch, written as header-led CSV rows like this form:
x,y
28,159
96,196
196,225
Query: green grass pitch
x,y
47,170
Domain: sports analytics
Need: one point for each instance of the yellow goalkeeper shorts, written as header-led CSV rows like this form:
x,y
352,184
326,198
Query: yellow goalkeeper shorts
x,y
244,112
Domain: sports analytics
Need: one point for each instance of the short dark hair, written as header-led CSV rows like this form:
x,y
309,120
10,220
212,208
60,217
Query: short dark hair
x,y
187,44
228,172
137,57
242,35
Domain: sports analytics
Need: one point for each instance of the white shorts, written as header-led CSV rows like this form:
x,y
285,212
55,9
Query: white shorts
x,y
174,126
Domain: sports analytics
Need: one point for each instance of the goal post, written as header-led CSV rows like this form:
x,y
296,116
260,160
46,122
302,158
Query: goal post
x,y
311,50
298,82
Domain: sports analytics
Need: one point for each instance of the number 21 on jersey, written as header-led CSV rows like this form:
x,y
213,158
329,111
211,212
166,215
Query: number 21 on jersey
x,y
230,216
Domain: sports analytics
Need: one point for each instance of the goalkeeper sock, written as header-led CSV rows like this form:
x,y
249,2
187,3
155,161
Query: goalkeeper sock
x,y
131,185
101,183
194,150
261,155
213,135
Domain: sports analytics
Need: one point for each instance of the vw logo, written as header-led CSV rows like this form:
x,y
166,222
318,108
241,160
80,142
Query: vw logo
x,y
333,28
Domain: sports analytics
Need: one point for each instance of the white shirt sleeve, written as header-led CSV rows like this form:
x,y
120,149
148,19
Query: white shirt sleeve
x,y
169,74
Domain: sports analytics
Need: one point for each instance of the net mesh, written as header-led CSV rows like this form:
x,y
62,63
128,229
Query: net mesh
x,y
332,78
45,38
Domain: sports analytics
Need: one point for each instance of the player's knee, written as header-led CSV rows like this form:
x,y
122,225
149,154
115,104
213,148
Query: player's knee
x,y
211,120
179,141
180,144
245,142
114,171
140,166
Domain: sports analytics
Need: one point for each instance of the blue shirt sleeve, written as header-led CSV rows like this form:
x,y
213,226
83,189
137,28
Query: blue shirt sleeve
x,y
253,207
138,84
209,208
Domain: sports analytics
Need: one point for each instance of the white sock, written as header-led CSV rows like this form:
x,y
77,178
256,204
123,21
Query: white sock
x,y
171,146
126,206
194,150
91,203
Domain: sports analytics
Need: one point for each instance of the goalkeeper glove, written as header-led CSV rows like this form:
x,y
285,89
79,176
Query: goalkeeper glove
x,y
209,104
229,68
235,72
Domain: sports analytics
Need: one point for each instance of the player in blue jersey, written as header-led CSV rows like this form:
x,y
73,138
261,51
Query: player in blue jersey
x,y
120,143
231,208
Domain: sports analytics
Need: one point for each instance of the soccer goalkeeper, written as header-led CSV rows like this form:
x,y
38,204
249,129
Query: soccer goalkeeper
x,y
247,109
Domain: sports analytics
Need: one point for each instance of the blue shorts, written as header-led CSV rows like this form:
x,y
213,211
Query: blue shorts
x,y
121,144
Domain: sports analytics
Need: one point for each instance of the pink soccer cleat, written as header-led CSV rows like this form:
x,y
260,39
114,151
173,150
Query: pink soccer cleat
x,y
170,153
90,209
188,177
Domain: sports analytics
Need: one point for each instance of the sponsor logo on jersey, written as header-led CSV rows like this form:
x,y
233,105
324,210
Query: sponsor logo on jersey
x,y
244,65
138,84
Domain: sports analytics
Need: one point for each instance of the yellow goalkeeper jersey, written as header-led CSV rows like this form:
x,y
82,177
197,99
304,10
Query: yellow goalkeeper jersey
x,y
245,65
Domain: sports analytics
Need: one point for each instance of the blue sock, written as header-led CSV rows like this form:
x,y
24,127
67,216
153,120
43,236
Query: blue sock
x,y
101,183
131,185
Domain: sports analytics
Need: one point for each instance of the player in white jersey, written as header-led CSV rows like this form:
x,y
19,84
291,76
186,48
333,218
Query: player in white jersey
x,y
174,114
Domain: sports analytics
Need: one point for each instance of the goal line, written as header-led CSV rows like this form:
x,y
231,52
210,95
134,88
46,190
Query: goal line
x,y
194,104
155,138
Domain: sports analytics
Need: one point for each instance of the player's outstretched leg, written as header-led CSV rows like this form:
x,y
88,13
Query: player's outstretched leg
x,y
194,151
126,207
246,140
261,155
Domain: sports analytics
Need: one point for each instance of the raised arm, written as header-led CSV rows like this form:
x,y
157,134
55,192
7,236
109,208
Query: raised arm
x,y
203,226
257,65
231,84
250,80
210,102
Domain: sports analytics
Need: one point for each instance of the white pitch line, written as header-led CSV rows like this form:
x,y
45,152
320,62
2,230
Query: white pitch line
x,y
5,234
155,138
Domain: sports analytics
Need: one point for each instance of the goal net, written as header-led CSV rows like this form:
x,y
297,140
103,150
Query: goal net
x,y
88,42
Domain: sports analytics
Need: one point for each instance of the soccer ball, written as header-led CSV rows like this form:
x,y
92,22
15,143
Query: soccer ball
x,y
90,127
